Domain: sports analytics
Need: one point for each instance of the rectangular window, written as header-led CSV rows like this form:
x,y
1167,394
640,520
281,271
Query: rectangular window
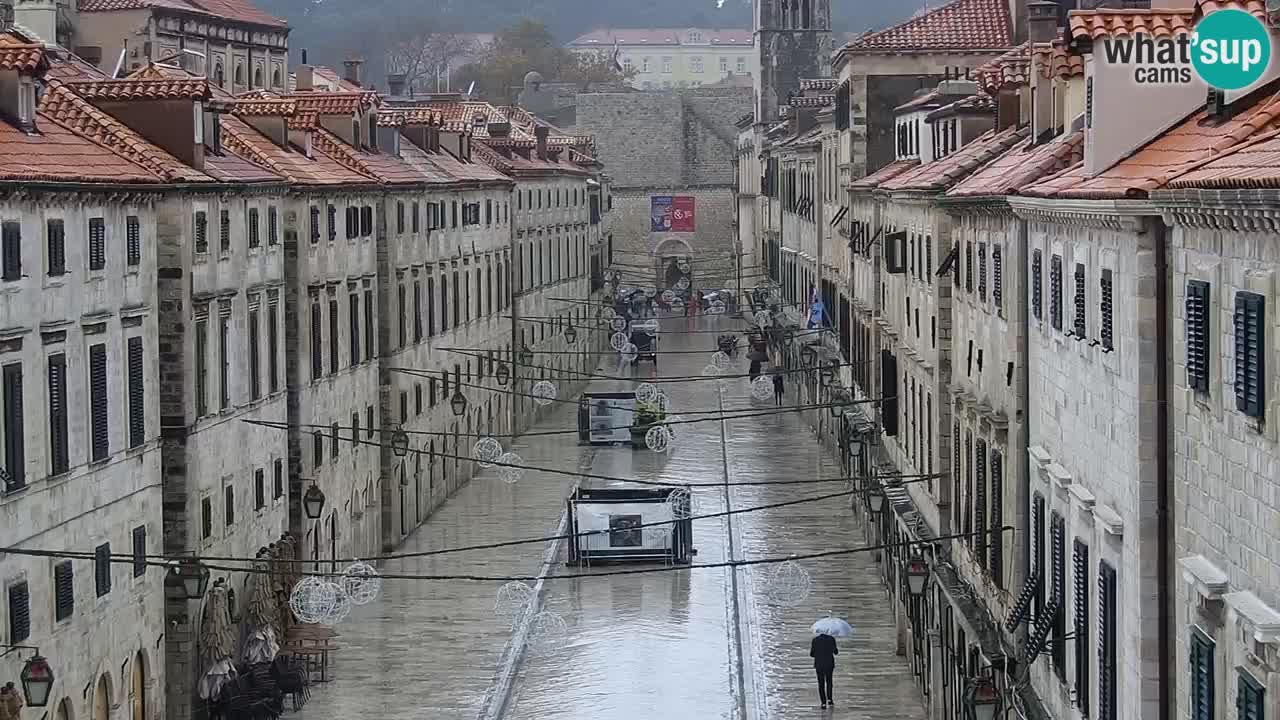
x,y
399,217
140,551
369,422
273,353
56,237
980,503
454,300
206,518
1107,642
369,328
59,453
1078,301
1055,292
1250,699
333,335
1081,626
996,525
317,354
100,432
431,306
404,407
102,569
353,222
64,593
982,271
133,240
229,505
254,240
1197,318
137,394
400,316
317,449
333,440
259,489
1105,306
11,250
1058,550
417,311
14,442
273,226
224,231
968,266
224,354
19,612
202,233
1036,262
353,309
366,221
997,276
315,224
277,479
202,363
415,219
332,226
1037,555
97,244
1250,359
255,359
417,398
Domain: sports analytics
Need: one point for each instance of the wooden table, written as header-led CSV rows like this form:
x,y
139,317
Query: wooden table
x,y
309,642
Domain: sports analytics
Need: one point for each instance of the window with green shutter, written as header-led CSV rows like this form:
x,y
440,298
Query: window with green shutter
x,y
19,612
1250,366
1078,323
1080,593
99,415
980,504
64,597
1197,322
1055,292
996,567
1107,642
102,569
1202,676
140,551
1106,309
133,240
1250,699
137,394
1058,550
11,250
1036,290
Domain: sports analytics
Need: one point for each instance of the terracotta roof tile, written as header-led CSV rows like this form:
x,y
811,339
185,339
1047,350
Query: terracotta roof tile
x,y
60,103
462,171
888,172
818,83
1103,23
230,167
979,104
1020,166
1253,164
1173,154
1053,60
957,25
334,103
319,169
68,67
380,166
920,102
59,154
812,101
943,173
1009,70
274,107
20,57
1257,8
236,10
158,89
303,121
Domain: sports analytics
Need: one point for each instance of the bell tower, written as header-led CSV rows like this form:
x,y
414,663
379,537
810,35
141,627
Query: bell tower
x,y
792,41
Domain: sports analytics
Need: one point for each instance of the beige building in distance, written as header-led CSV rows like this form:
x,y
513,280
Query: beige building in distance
x,y
670,58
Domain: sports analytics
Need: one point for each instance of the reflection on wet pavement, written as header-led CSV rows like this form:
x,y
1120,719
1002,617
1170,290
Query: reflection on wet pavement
x,y
660,645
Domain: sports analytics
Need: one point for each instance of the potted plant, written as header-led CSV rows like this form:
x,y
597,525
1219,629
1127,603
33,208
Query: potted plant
x,y
647,415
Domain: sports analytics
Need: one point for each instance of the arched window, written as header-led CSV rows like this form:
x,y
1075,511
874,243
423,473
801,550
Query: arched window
x,y
218,75
257,77
239,76
139,687
275,78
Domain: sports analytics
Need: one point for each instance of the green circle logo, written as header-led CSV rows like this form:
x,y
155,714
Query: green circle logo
x,y
1230,49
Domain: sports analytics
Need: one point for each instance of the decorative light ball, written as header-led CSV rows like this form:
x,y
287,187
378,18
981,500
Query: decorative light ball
x,y
717,308
617,340
657,439
629,352
544,392
763,318
314,600
789,584
663,401
711,371
361,582
668,296
762,388
610,313
486,450
618,324
722,360
682,283
546,631
510,470
683,264
680,501
341,610
647,392
677,304
650,292
512,599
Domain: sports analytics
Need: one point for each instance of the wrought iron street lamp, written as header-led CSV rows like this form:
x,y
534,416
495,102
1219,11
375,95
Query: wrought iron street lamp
x,y
809,357
503,374
839,399
570,334
189,576
400,442
875,499
37,680
459,403
917,574
313,502
982,698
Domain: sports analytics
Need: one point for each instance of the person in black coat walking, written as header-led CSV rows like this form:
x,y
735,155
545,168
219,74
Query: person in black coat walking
x,y
823,650
777,389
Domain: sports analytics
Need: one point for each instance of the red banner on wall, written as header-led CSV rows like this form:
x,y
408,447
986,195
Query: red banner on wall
x,y
672,213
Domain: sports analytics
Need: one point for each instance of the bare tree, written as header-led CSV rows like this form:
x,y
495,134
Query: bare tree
x,y
420,51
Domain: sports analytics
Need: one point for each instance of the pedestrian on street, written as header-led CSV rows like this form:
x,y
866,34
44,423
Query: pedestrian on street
x,y
777,389
823,650
755,370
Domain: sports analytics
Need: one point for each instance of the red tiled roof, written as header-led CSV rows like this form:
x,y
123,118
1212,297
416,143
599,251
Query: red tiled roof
x,y
457,169
1252,164
241,11
273,107
892,170
1102,23
1020,166
319,169
661,36
58,154
812,101
920,102
19,56
334,103
303,121
74,112
68,67
1053,60
974,104
1257,8
1171,155
1009,70
818,83
230,167
957,25
380,166
943,173
137,89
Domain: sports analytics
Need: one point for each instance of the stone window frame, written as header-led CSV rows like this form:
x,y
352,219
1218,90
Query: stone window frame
x,y
1209,272
1261,282
1121,297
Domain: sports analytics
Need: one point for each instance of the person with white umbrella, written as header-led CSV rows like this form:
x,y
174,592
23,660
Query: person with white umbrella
x,y
823,650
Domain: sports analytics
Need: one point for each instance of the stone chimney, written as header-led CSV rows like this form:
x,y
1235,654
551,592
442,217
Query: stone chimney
x,y
351,70
395,84
541,132
305,75
499,129
38,16
1042,21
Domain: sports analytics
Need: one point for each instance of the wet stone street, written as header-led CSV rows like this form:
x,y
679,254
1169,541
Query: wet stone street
x,y
702,643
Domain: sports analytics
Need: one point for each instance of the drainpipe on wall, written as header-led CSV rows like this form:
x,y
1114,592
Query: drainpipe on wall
x,y
1163,481
516,406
